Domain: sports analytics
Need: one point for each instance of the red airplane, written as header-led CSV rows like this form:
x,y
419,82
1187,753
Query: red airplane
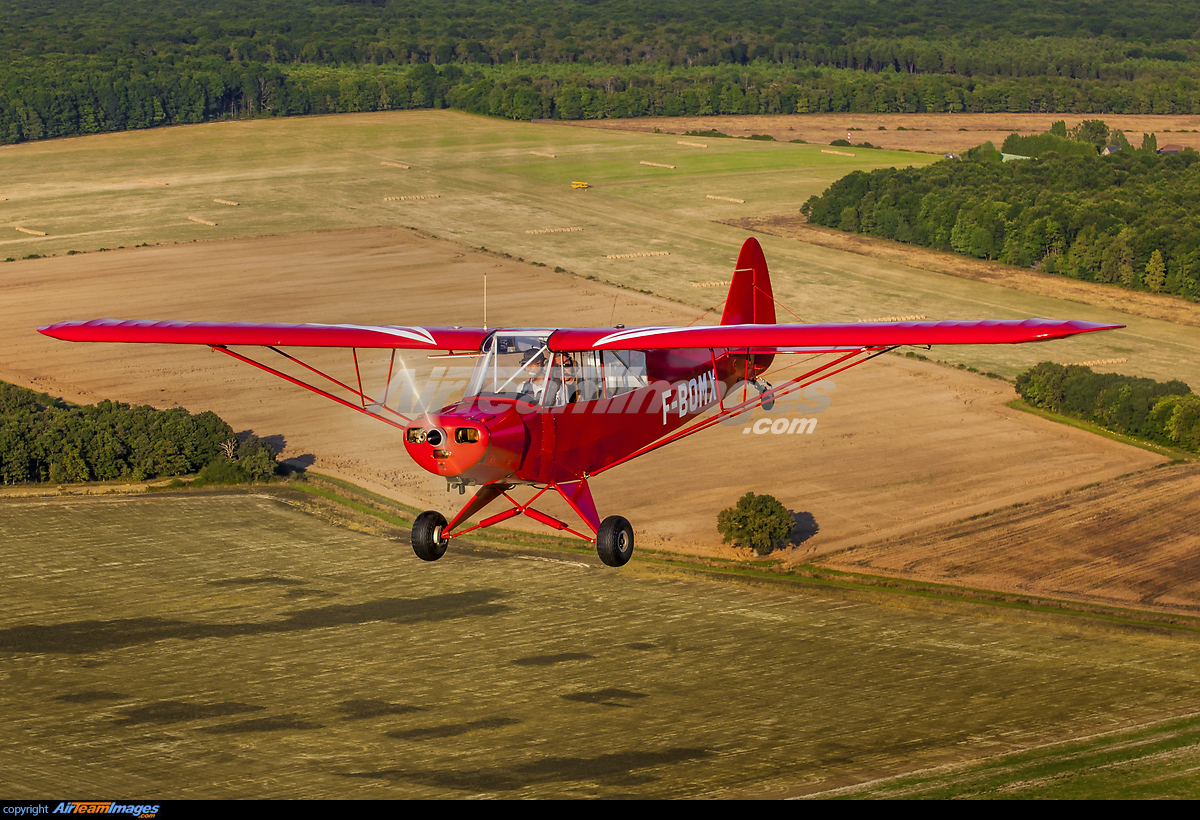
x,y
553,408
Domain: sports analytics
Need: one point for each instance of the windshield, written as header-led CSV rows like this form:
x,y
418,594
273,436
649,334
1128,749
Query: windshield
x,y
511,365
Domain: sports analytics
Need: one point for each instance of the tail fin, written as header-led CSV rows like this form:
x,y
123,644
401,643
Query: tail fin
x,y
750,301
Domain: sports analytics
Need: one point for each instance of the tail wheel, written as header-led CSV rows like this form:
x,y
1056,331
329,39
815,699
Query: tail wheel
x,y
614,541
427,540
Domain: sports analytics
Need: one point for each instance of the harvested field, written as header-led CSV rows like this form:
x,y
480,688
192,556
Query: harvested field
x,y
904,444
932,133
1129,542
493,190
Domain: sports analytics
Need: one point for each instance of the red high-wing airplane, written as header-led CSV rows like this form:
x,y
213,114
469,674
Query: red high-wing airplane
x,y
552,408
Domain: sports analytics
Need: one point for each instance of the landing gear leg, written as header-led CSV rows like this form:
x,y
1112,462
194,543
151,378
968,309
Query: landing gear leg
x,y
427,540
614,541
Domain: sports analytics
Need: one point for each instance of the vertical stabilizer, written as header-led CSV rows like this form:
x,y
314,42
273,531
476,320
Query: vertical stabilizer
x,y
750,301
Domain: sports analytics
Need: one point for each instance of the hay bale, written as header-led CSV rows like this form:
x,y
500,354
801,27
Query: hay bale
x,y
636,255
895,319
203,221
657,164
710,284
554,230
394,164
839,153
224,202
153,182
1096,362
541,154
692,144
414,196
725,199
31,232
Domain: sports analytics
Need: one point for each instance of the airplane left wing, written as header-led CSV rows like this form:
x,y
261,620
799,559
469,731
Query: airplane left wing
x,y
219,334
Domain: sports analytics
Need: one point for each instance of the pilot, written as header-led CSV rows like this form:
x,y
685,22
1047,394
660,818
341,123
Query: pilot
x,y
533,368
549,388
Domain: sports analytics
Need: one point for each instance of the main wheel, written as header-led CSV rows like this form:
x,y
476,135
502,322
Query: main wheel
x,y
427,539
614,541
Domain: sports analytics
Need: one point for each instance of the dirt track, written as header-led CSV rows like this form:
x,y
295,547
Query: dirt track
x,y
904,445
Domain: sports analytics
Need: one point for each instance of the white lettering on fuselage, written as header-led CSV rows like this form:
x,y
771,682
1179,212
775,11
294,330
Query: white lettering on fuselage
x,y
692,396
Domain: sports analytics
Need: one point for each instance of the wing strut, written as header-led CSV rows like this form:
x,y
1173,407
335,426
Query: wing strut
x,y
361,407
775,392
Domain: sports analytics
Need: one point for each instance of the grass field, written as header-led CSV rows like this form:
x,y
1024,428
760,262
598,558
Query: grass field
x,y
241,649
1152,762
327,172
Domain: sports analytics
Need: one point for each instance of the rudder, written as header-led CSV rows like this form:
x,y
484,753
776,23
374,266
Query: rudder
x,y
750,301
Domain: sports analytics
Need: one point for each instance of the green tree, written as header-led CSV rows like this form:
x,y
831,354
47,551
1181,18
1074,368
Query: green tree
x,y
757,521
1156,272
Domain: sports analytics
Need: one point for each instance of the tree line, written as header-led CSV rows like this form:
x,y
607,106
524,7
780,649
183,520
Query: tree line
x,y
1167,413
45,439
73,97
1127,219
97,66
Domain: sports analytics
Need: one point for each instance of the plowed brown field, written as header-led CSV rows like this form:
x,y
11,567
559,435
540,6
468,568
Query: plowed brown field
x,y
1132,542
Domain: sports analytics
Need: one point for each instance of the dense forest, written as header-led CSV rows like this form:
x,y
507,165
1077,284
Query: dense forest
x,y
1128,218
96,65
45,439
1163,412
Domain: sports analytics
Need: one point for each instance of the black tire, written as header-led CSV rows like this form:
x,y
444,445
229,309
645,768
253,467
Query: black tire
x,y
427,539
614,541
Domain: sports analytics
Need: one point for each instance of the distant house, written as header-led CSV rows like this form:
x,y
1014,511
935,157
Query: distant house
x,y
1171,149
1110,149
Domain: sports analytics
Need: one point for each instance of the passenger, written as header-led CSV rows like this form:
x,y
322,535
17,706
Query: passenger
x,y
561,386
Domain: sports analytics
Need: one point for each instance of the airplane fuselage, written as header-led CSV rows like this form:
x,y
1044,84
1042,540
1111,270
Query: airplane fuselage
x,y
597,420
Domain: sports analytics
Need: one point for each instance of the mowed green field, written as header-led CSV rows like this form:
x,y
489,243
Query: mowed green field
x,y
319,173
241,649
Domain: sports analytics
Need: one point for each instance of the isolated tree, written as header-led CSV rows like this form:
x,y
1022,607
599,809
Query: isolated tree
x,y
757,521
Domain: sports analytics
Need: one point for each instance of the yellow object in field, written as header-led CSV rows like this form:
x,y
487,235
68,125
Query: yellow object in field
x,y
580,185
